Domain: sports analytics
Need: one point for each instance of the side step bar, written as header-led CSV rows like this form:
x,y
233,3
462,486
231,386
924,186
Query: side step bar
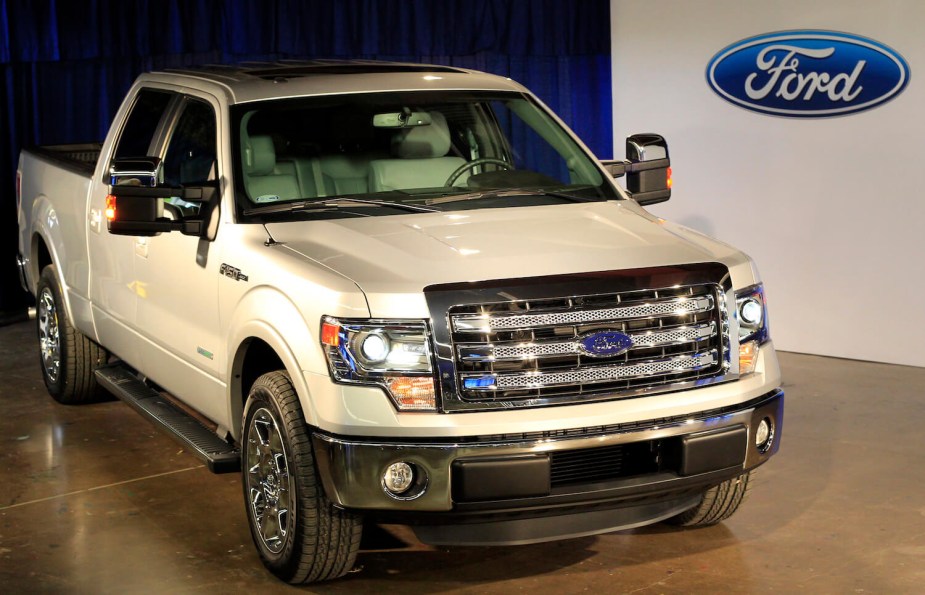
x,y
220,456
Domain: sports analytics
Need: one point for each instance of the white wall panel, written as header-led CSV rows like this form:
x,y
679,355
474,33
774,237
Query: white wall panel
x,y
832,209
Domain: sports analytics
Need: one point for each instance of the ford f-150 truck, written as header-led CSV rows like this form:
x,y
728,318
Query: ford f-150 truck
x,y
403,293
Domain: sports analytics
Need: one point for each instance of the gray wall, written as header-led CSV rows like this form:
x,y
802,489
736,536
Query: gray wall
x,y
830,208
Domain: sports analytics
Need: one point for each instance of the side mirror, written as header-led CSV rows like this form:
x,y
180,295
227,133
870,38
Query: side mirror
x,y
647,168
136,171
135,204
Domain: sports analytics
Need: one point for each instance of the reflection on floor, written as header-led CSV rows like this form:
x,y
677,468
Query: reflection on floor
x,y
95,500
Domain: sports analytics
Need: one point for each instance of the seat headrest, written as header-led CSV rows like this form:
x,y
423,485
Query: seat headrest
x,y
424,141
260,156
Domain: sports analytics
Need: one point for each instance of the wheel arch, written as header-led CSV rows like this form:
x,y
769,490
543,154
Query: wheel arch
x,y
44,254
41,256
268,326
260,350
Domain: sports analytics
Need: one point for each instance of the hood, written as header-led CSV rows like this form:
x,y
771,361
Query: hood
x,y
403,254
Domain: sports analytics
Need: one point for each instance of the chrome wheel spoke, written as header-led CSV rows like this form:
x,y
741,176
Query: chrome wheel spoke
x,y
49,335
268,481
270,526
282,518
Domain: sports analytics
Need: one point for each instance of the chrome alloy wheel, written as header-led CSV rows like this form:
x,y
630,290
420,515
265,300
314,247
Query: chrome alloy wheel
x,y
49,335
269,486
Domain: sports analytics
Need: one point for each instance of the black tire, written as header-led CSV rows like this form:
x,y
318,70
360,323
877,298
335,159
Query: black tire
x,y
717,504
300,535
68,358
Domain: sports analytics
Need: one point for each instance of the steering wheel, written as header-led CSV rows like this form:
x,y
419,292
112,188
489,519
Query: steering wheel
x,y
477,162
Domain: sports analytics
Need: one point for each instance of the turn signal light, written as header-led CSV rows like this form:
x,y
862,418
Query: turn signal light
x,y
110,208
413,392
748,357
330,334
668,180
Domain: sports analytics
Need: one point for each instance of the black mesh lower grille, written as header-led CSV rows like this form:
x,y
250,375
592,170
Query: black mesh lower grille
x,y
607,463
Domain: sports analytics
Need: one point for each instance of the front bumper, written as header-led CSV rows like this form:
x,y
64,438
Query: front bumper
x,y
482,489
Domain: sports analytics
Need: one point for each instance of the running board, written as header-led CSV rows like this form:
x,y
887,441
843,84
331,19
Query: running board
x,y
220,456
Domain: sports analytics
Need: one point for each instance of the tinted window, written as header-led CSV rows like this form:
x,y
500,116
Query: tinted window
x,y
142,123
191,152
420,148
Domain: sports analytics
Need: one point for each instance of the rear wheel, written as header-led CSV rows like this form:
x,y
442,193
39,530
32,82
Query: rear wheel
x,y
68,357
300,535
717,504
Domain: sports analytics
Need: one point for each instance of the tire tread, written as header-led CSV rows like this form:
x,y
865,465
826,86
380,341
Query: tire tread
x,y
80,356
329,537
717,504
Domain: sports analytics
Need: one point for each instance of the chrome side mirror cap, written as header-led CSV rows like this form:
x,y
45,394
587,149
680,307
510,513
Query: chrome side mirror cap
x,y
147,172
647,168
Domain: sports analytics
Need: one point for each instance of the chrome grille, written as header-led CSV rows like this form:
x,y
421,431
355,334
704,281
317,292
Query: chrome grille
x,y
484,323
594,374
490,352
531,350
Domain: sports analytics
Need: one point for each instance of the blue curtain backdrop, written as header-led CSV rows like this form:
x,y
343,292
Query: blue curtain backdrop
x,y
66,64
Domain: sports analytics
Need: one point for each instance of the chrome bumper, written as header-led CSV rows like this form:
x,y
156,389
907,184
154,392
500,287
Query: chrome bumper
x,y
484,475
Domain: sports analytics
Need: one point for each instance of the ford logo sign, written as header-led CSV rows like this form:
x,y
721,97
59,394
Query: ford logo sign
x,y
605,343
812,74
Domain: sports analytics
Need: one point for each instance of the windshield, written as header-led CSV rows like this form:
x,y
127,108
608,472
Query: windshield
x,y
388,153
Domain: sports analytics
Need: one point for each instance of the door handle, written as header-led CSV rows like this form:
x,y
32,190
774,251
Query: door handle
x,y
141,246
96,219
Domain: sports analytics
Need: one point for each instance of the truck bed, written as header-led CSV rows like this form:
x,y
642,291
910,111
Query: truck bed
x,y
80,157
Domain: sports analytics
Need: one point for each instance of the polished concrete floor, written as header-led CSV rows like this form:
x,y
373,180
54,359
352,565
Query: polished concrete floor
x,y
94,500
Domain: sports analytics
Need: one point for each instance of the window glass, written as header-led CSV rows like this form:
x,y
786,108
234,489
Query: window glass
x,y
190,156
142,123
433,150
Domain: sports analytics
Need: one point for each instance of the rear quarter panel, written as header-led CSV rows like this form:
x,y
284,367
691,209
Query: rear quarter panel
x,y
53,210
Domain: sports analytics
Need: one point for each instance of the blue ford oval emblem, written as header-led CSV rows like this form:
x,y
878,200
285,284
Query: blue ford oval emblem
x,y
605,343
812,74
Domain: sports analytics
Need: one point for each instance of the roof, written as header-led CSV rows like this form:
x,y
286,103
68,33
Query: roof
x,y
252,81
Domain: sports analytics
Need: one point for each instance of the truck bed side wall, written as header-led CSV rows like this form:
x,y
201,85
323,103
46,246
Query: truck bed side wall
x,y
53,210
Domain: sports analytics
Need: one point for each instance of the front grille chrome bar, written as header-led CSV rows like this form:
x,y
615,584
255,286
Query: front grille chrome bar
x,y
487,323
589,375
500,352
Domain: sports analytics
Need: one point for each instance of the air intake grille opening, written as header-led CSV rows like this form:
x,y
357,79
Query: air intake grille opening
x,y
524,350
607,463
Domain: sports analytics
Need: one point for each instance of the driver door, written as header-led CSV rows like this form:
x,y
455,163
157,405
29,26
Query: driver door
x,y
178,274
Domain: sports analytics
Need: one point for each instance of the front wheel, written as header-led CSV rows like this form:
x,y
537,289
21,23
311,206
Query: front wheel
x,y
717,504
300,535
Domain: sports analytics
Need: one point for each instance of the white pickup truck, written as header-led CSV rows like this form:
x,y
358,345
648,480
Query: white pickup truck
x,y
404,293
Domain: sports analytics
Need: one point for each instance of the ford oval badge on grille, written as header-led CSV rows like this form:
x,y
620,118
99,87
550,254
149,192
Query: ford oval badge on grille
x,y
605,343
802,74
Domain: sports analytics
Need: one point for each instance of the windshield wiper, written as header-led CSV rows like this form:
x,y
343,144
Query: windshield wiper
x,y
512,192
321,204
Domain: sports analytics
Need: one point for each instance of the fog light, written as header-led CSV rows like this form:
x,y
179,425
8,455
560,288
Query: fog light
x,y
764,435
398,478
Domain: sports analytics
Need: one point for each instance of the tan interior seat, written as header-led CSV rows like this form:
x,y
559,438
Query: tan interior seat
x,y
268,180
421,159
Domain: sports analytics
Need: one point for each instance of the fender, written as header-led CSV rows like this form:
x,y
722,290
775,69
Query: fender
x,y
269,315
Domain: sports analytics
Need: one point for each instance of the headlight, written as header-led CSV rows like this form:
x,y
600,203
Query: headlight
x,y
393,354
752,314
